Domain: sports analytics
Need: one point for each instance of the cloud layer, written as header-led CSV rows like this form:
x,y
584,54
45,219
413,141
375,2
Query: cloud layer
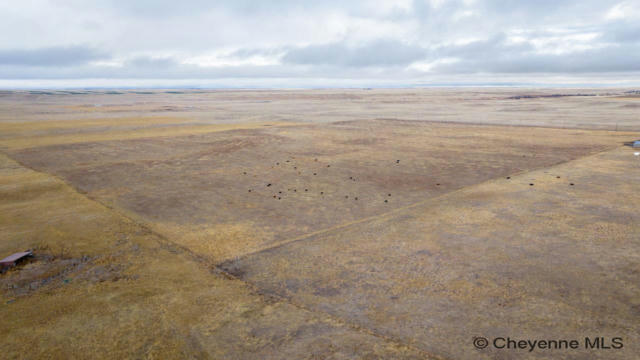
x,y
367,41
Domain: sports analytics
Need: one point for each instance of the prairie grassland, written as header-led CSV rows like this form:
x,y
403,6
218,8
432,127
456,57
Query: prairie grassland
x,y
316,224
27,135
102,286
224,194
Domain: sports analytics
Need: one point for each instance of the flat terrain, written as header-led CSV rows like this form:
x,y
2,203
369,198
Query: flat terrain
x,y
318,223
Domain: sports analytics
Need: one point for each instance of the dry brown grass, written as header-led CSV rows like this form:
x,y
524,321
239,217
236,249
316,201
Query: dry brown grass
x,y
133,265
161,302
499,257
209,191
90,131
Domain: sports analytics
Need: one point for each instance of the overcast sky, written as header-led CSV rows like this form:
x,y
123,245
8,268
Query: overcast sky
x,y
318,43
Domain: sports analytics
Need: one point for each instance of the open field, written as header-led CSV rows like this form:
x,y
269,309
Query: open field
x,y
318,223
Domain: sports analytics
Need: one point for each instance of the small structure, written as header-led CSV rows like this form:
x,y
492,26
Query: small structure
x,y
12,260
636,144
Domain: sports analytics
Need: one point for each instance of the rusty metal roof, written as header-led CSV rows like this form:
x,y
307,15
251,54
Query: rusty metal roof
x,y
15,257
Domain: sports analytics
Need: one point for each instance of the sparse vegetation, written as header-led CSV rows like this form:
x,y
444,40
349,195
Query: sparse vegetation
x,y
186,237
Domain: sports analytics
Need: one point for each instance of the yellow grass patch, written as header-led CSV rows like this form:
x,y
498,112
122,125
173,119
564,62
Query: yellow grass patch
x,y
18,127
216,241
21,142
37,210
165,305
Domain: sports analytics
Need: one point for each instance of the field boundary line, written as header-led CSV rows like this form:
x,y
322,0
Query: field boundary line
x,y
394,211
264,296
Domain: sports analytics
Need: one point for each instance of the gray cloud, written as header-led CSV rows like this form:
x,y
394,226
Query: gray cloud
x,y
377,53
347,39
154,8
51,56
151,62
486,49
622,32
494,56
